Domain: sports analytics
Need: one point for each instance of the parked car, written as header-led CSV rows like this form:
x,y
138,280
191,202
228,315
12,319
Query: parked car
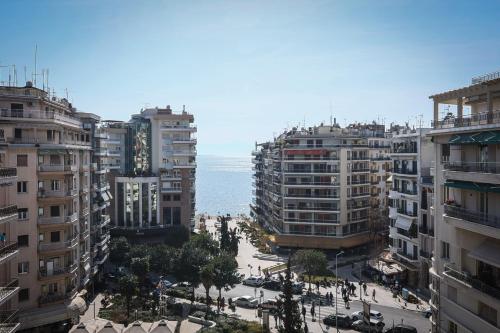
x,y
362,326
357,315
182,286
255,281
272,285
270,304
400,328
344,321
247,301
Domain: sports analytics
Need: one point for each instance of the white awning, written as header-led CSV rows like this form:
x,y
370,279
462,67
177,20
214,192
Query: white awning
x,y
109,195
487,252
403,223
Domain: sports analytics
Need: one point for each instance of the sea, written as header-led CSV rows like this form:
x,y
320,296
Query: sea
x,y
223,185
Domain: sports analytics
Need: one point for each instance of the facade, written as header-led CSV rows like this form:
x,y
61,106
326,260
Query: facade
x,y
44,139
411,154
465,273
154,188
312,186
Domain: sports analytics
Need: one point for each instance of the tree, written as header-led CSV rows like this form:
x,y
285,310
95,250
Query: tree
x,y
140,251
207,280
128,287
119,250
292,320
140,268
188,264
225,238
161,259
234,242
205,242
312,262
176,236
225,270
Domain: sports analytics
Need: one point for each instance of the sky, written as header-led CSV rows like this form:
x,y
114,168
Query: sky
x,y
249,69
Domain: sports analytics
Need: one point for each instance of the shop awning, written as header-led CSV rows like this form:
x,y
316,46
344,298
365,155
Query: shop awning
x,y
460,139
480,187
51,151
403,223
487,252
489,137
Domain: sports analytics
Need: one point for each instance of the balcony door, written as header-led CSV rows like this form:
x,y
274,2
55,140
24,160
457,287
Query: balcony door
x,y
483,203
483,157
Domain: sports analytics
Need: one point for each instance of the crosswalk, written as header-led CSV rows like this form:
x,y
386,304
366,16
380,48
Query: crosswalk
x,y
325,311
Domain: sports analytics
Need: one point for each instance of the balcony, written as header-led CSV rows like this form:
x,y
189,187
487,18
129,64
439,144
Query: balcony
x,y
380,158
309,159
360,170
59,271
404,150
66,245
407,256
311,195
178,128
8,213
7,175
426,255
309,170
57,194
409,191
57,168
8,251
171,190
406,172
407,212
471,281
481,118
472,216
425,230
481,172
9,321
360,194
57,297
58,219
8,290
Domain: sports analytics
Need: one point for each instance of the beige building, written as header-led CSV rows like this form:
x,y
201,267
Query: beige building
x,y
45,140
465,273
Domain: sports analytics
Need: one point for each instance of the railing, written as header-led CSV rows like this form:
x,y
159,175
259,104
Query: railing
x,y
374,170
286,219
8,211
481,118
406,212
358,158
310,195
312,183
474,282
412,233
58,219
380,158
314,207
7,248
360,170
425,254
57,167
407,255
409,191
366,205
405,171
359,182
361,194
404,151
379,146
484,167
8,317
58,245
56,297
39,114
472,216
311,158
429,180
57,271
8,172
291,170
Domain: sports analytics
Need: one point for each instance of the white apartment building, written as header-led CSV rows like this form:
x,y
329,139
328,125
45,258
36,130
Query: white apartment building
x,y
411,153
465,273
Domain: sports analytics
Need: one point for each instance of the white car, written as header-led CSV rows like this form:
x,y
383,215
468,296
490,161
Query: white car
x,y
358,315
375,326
255,281
247,301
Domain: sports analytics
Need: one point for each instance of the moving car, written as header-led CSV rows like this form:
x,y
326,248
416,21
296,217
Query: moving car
x,y
247,301
255,281
357,315
272,285
375,326
182,286
400,328
344,321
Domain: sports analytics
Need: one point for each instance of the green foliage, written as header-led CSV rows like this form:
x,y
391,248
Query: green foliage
x,y
225,237
128,287
177,235
162,258
291,319
140,267
140,251
188,264
205,242
233,325
207,277
225,270
312,262
119,250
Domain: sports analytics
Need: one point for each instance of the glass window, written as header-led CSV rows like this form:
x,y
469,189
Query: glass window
x,y
55,236
23,240
23,267
24,294
22,187
22,160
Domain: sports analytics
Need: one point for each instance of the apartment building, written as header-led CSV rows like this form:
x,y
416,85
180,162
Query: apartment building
x,y
48,238
154,188
465,273
9,283
312,186
411,153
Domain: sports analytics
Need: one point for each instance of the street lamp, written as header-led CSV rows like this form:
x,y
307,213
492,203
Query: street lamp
x,y
337,292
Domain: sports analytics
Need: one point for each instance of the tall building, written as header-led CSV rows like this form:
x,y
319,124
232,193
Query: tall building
x,y
154,188
312,186
44,139
465,273
411,153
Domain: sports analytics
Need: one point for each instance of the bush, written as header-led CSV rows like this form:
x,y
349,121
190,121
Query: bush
x,y
230,325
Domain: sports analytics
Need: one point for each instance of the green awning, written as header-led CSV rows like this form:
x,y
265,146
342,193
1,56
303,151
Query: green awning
x,y
51,151
484,138
460,139
480,187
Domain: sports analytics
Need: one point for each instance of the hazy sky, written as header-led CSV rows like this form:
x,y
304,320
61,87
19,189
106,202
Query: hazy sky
x,y
248,69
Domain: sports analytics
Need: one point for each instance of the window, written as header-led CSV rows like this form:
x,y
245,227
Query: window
x,y
22,187
41,237
452,327
22,213
55,185
40,211
55,211
177,197
40,159
445,250
24,294
488,313
55,236
23,240
166,197
18,133
22,160
176,215
23,267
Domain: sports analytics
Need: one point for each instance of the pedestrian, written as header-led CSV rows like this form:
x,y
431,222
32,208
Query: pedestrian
x,y
373,294
2,238
317,285
304,312
259,269
302,301
306,329
313,314
276,320
364,288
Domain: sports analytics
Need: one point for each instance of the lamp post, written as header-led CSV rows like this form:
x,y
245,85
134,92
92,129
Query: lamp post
x,y
336,292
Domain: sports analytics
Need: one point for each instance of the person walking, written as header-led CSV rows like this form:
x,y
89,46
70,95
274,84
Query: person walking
x,y
373,294
313,313
364,288
304,312
3,238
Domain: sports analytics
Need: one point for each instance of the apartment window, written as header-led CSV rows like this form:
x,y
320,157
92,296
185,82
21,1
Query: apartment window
x,y
55,236
55,211
41,237
41,211
50,135
166,197
23,267
487,313
22,213
22,187
18,133
176,215
55,160
177,197
167,215
445,250
55,185
22,240
22,160
24,294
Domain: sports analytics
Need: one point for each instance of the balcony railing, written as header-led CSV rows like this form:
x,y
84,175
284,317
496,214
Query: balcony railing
x,y
58,219
313,207
360,194
380,158
8,317
482,118
8,211
57,297
481,167
409,191
57,271
425,254
408,256
472,216
310,158
7,248
407,212
7,289
404,150
405,171
311,195
57,167
292,170
8,172
360,170
474,282
68,244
